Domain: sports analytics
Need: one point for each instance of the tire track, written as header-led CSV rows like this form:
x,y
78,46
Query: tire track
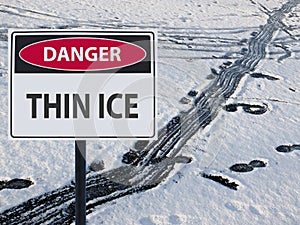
x,y
156,160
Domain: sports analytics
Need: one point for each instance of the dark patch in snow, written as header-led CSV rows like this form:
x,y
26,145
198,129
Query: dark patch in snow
x,y
3,37
183,159
292,89
228,63
253,34
140,145
243,41
60,26
214,72
185,100
210,77
221,180
244,51
261,75
97,165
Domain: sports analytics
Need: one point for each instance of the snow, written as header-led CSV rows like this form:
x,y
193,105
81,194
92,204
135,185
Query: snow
x,y
192,35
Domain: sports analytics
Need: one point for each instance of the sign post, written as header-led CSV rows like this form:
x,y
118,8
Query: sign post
x,y
80,182
75,84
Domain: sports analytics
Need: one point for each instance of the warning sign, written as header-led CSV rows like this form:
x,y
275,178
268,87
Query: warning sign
x,y
82,84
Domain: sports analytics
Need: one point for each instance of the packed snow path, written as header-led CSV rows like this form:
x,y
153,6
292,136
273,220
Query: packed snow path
x,y
153,163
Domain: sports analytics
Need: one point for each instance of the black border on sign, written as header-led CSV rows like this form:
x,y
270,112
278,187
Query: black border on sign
x,y
123,32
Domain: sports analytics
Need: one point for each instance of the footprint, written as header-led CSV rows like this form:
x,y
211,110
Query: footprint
x,y
15,184
257,163
241,167
192,93
231,107
287,148
255,109
130,157
173,122
252,109
254,33
244,167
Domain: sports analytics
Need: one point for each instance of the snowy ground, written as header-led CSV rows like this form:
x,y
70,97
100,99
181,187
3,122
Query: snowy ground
x,y
193,37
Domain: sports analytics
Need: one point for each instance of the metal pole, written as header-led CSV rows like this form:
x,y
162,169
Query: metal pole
x,y
80,182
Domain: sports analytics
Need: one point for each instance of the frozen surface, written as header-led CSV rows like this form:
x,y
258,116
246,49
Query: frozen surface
x,y
193,37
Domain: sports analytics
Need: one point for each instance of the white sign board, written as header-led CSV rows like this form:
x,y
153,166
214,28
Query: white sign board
x,y
82,84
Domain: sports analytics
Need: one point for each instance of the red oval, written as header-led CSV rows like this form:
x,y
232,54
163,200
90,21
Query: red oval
x,y
82,54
